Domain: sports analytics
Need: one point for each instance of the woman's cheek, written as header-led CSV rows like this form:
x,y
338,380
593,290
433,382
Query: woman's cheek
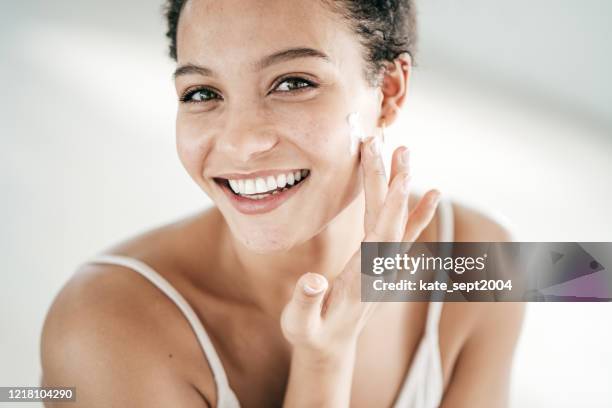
x,y
316,126
192,144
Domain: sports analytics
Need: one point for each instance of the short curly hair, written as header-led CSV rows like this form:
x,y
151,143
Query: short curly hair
x,y
386,28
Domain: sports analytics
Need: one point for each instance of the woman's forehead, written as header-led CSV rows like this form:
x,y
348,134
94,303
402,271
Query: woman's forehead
x,y
237,31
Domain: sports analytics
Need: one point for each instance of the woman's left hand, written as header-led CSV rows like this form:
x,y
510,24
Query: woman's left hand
x,y
327,324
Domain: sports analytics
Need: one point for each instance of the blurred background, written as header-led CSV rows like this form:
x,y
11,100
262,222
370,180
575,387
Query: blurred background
x,y
510,112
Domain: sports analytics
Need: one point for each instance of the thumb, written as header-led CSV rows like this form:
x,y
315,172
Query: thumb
x,y
303,312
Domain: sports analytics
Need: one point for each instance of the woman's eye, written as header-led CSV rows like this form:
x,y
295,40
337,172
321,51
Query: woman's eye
x,y
202,95
293,84
199,96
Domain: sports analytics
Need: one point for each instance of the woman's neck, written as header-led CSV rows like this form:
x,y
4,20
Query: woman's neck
x,y
267,281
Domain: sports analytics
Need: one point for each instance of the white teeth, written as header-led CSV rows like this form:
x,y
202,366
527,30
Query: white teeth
x,y
271,182
281,180
249,186
234,185
258,196
260,185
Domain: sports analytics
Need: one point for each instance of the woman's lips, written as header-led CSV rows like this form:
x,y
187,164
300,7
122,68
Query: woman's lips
x,y
271,201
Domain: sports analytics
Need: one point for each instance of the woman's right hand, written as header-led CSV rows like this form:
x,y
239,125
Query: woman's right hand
x,y
324,329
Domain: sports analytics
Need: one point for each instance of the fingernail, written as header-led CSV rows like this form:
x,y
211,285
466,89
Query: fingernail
x,y
375,146
405,157
314,284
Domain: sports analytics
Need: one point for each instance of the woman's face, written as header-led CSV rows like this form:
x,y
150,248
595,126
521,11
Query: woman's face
x,y
253,113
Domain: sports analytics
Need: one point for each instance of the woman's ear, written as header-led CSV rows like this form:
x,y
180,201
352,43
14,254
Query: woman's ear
x,y
394,88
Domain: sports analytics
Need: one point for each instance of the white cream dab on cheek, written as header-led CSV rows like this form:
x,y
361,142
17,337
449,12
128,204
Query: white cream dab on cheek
x,y
356,133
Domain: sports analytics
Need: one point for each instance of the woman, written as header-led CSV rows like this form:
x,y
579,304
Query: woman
x,y
272,94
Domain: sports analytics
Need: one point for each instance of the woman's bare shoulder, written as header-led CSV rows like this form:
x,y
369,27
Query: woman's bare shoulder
x,y
109,328
472,223
475,224
493,326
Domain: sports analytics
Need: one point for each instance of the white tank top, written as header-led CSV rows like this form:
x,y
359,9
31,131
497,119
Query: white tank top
x,y
423,385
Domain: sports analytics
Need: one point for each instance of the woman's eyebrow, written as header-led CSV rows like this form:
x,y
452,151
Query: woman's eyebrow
x,y
277,57
289,54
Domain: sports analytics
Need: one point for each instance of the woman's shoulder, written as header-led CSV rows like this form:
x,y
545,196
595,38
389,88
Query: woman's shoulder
x,y
467,327
106,333
473,223
110,324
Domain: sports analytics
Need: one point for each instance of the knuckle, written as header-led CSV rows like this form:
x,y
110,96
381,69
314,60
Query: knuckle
x,y
377,169
298,331
380,172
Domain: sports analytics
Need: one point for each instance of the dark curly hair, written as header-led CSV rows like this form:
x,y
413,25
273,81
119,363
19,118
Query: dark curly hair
x,y
386,28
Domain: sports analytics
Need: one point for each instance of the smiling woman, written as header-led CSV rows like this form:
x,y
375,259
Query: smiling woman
x,y
256,301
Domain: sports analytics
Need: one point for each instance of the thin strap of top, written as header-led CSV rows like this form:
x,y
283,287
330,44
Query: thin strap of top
x,y
446,223
446,233
225,396
423,386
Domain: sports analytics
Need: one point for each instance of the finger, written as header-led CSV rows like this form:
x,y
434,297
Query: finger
x,y
374,181
346,288
421,216
390,225
399,162
302,314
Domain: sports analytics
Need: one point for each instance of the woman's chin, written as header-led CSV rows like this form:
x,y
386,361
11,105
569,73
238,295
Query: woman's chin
x,y
265,245
262,239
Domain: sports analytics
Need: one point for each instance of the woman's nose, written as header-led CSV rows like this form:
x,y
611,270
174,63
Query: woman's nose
x,y
246,136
